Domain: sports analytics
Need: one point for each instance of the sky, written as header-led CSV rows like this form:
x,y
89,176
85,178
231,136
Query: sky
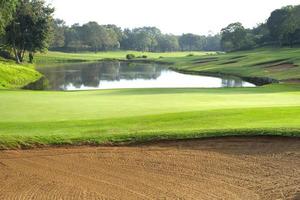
x,y
170,16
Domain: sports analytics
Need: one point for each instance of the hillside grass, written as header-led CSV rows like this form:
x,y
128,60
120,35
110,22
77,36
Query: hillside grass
x,y
30,118
282,64
13,75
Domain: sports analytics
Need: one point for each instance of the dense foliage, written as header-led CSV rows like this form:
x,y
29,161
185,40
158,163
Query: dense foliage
x,y
282,28
30,28
7,8
94,37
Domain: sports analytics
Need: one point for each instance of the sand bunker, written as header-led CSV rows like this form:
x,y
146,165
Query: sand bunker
x,y
232,168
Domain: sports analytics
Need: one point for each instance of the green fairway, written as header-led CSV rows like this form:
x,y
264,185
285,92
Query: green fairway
x,y
55,57
31,118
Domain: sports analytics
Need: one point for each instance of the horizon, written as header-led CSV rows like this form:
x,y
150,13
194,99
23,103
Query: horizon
x,y
227,12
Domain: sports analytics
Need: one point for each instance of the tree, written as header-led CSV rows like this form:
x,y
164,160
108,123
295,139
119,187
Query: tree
x,y
7,9
58,33
191,42
292,32
92,35
277,24
153,34
212,43
73,38
261,34
168,43
30,28
236,37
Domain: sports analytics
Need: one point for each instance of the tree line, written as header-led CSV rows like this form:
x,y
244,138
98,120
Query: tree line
x,y
94,37
282,28
28,26
25,26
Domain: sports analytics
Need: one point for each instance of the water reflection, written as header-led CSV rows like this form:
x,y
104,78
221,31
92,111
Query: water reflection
x,y
110,75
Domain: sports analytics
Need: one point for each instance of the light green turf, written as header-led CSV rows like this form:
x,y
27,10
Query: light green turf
x,y
28,118
252,63
54,57
16,76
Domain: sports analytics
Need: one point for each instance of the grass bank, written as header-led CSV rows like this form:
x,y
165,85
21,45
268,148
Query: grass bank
x,y
30,118
282,64
16,76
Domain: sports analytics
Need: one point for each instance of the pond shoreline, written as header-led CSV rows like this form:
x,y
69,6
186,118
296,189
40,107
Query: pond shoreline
x,y
258,81
121,74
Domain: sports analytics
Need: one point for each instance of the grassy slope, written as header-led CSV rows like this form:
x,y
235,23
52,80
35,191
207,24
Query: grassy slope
x,y
255,63
54,57
28,118
16,76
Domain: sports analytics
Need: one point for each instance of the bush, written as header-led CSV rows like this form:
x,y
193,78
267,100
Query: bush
x,y
130,56
144,56
190,55
5,54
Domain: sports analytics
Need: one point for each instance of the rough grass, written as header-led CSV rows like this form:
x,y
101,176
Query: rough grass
x,y
254,63
31,118
16,76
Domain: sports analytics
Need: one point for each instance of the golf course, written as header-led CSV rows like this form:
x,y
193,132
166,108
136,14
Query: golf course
x,y
145,118
193,109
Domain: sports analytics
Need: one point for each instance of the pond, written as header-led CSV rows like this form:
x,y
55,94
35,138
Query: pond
x,y
113,75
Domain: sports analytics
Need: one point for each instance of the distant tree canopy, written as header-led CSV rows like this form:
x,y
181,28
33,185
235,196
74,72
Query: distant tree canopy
x,y
282,28
94,37
236,37
28,26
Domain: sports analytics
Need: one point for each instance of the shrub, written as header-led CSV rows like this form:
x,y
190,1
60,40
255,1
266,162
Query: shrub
x,y
144,56
130,56
5,54
189,55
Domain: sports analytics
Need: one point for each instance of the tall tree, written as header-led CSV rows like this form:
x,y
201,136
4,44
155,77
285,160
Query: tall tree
x,y
92,35
277,24
191,42
58,33
292,31
212,43
236,37
30,28
7,9
168,43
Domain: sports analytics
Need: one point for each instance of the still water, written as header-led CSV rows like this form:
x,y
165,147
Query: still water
x,y
112,75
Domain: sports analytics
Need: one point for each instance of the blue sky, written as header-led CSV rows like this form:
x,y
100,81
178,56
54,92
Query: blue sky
x,y
171,16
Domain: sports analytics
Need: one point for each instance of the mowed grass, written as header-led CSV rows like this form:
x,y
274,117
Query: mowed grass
x,y
30,118
278,63
41,118
55,57
16,76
